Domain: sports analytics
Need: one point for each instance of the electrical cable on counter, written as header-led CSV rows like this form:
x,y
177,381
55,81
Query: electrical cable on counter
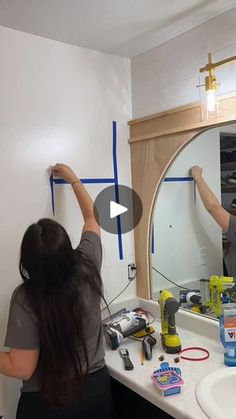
x,y
104,308
131,278
172,282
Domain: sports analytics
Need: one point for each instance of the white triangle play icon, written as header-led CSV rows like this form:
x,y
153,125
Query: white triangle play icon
x,y
116,209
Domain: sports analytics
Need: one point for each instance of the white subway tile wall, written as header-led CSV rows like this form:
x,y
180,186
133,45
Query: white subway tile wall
x,y
166,76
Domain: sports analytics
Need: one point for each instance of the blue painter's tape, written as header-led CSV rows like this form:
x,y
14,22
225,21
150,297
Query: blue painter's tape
x,y
57,181
108,180
60,181
64,182
178,179
91,180
183,179
114,145
152,239
113,180
114,142
52,194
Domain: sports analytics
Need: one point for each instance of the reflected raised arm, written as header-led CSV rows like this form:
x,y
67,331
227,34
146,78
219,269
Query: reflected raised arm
x,y
209,200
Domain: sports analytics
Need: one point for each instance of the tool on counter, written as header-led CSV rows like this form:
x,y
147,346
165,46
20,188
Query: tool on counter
x,y
147,344
190,296
169,337
150,319
123,324
142,333
214,294
167,379
112,337
124,353
219,294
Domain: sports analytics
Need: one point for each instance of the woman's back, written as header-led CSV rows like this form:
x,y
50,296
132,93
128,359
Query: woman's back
x,y
23,330
54,329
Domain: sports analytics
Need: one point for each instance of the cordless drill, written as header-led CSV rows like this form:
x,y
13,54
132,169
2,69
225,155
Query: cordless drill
x,y
169,337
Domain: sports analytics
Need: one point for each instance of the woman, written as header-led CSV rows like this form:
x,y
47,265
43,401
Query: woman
x,y
54,328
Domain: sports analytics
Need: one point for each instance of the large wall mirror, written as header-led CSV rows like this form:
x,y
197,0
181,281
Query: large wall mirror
x,y
187,246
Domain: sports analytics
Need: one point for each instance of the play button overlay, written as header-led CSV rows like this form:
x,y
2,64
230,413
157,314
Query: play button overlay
x,y
118,209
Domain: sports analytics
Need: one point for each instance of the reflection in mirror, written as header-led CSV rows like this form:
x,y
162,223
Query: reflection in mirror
x,y
188,247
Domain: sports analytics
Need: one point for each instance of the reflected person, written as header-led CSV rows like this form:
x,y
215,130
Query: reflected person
x,y
223,218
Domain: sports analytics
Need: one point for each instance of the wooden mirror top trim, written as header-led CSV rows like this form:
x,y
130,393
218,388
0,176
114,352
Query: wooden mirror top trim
x,y
155,142
180,119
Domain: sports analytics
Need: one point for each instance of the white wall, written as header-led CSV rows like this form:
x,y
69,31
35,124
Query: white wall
x,y
181,224
57,103
166,76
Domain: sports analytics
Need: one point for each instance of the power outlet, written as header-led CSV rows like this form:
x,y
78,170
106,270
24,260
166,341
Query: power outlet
x,y
202,256
131,271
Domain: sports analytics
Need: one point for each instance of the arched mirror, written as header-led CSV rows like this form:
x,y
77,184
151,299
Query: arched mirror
x,y
187,246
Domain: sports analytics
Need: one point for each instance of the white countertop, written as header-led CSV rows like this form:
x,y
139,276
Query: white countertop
x,y
183,405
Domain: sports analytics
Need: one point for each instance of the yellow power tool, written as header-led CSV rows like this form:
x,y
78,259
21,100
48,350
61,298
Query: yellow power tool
x,y
169,337
219,287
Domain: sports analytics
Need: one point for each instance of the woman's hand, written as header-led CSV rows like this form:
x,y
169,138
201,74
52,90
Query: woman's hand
x,y
196,173
65,172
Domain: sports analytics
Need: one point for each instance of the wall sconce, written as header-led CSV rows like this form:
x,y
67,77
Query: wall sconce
x,y
211,104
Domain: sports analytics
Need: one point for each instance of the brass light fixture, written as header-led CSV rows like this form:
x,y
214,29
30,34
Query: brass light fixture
x,y
211,83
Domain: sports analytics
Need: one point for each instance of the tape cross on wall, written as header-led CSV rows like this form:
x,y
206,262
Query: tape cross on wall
x,y
113,181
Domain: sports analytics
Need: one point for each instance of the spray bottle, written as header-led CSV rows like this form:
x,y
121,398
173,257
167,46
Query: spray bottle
x,y
228,336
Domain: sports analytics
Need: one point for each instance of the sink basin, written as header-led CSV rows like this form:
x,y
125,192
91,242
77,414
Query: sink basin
x,y
216,393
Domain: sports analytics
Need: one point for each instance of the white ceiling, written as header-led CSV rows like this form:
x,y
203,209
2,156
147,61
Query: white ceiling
x,y
121,27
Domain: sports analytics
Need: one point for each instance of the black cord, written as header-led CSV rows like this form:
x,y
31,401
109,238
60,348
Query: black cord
x,y
106,307
169,279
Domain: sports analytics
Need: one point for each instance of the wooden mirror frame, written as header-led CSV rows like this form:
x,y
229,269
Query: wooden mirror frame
x,y
155,142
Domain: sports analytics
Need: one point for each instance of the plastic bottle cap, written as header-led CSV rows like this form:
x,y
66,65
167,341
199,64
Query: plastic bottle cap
x,y
231,352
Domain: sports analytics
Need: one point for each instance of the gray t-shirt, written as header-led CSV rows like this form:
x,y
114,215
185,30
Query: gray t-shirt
x,y
22,328
230,257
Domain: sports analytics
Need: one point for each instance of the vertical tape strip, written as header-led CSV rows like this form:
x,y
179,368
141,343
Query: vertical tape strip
x,y
52,193
114,142
152,242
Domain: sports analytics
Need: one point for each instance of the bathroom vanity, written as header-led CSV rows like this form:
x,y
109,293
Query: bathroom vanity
x,y
193,331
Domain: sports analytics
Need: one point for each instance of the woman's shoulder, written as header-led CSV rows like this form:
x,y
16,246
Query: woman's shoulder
x,y
90,244
19,297
19,294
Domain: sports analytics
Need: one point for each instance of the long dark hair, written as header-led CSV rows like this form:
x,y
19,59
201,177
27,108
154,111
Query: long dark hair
x,y
54,278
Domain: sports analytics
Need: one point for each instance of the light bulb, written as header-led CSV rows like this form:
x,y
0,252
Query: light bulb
x,y
211,102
